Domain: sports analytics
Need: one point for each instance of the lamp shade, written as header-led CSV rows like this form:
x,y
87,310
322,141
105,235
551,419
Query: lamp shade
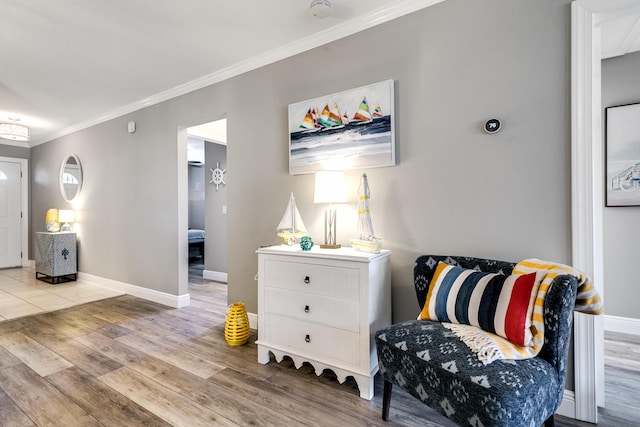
x,y
66,215
329,187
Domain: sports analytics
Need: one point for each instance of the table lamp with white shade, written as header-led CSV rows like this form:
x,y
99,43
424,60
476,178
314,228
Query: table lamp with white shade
x,y
66,216
330,188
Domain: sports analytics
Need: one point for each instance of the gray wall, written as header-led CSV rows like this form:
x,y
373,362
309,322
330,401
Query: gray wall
x,y
454,190
14,151
620,85
215,221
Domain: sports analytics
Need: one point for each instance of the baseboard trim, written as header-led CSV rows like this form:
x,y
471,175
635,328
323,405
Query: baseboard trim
x,y
253,320
174,301
568,406
625,325
215,275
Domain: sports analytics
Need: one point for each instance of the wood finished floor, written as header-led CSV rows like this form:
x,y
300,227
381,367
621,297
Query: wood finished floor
x,y
128,362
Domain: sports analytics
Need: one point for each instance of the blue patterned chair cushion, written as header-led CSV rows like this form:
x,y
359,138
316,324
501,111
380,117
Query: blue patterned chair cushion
x,y
435,366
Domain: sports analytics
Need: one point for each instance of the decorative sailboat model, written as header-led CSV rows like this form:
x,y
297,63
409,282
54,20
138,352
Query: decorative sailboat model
x,y
367,242
291,226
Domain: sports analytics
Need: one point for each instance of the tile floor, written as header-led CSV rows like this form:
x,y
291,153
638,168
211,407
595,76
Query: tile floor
x,y
22,295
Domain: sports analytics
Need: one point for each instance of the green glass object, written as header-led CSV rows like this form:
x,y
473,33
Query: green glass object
x,y
306,243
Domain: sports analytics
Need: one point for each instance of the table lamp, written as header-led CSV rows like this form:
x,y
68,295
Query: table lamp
x,y
330,189
66,216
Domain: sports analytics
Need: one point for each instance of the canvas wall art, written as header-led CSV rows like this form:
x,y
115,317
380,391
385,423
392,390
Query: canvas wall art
x,y
353,129
623,155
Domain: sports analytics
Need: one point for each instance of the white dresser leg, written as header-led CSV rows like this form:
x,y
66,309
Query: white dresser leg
x,y
366,387
263,355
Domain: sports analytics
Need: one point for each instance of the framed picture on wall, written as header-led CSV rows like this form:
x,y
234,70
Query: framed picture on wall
x,y
623,155
353,129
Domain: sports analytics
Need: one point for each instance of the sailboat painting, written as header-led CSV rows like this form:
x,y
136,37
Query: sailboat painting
x,y
353,129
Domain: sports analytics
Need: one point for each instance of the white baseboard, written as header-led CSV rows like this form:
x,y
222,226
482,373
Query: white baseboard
x,y
568,406
625,325
175,301
253,320
215,275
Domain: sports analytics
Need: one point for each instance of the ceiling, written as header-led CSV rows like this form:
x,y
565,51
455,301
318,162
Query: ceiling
x,y
621,35
77,63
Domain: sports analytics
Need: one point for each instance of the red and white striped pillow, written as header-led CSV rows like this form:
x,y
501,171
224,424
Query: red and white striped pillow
x,y
496,303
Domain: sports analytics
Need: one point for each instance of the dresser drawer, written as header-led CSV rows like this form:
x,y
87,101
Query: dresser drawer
x,y
338,313
308,338
336,281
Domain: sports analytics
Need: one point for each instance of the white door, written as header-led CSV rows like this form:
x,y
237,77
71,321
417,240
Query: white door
x,y
10,215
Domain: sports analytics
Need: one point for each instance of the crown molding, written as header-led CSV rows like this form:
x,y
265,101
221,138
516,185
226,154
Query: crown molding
x,y
24,144
379,16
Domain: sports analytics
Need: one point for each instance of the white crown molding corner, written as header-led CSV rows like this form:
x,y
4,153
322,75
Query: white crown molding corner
x,y
24,144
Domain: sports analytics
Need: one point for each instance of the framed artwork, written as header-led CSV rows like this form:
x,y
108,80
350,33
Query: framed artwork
x,y
354,129
623,155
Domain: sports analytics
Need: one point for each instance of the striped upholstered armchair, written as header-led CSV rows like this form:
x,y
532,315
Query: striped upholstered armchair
x,y
430,362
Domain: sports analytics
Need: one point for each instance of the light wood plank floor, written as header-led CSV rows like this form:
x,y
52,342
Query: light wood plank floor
x,y
126,362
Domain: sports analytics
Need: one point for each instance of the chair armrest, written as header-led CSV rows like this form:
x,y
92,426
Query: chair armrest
x,y
558,319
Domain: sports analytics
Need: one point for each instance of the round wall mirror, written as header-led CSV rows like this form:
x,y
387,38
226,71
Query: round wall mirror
x,y
70,177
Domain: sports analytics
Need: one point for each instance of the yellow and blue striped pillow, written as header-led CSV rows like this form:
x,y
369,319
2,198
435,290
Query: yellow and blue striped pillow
x,y
496,303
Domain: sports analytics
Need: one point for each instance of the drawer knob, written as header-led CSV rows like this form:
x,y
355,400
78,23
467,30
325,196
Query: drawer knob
x,y
307,338
306,308
306,279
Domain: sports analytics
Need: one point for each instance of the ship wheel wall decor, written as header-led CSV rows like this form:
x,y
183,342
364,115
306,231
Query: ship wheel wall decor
x,y
217,176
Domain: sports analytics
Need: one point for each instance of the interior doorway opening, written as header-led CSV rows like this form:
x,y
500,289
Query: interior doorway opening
x,y
207,209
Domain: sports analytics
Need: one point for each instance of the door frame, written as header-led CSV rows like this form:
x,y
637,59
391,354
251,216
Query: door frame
x,y
587,173
24,206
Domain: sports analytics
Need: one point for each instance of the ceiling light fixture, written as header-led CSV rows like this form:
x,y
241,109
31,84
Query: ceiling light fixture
x,y
320,8
14,131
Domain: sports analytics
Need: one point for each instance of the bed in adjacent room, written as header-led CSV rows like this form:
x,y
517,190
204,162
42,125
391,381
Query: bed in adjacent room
x,y
196,243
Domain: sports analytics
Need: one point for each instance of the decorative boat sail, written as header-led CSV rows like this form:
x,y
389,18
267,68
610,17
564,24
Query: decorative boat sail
x,y
362,115
309,122
367,242
345,118
377,112
330,118
291,226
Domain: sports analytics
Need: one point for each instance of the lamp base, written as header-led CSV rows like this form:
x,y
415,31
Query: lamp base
x,y
330,246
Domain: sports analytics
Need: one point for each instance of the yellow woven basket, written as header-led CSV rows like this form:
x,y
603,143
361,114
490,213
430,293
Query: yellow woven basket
x,y
236,328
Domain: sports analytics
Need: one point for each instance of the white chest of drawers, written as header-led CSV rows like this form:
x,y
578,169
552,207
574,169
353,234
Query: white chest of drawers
x,y
323,307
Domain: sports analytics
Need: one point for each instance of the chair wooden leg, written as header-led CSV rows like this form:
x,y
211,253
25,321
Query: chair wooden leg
x,y
549,422
386,399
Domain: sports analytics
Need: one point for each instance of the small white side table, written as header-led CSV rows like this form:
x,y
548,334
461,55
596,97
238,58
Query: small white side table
x,y
56,257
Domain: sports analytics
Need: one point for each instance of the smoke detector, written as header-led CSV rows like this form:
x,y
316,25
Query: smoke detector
x,y
320,8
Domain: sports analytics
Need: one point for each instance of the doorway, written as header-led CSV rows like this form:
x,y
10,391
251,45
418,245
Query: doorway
x,y
207,159
13,212
587,195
